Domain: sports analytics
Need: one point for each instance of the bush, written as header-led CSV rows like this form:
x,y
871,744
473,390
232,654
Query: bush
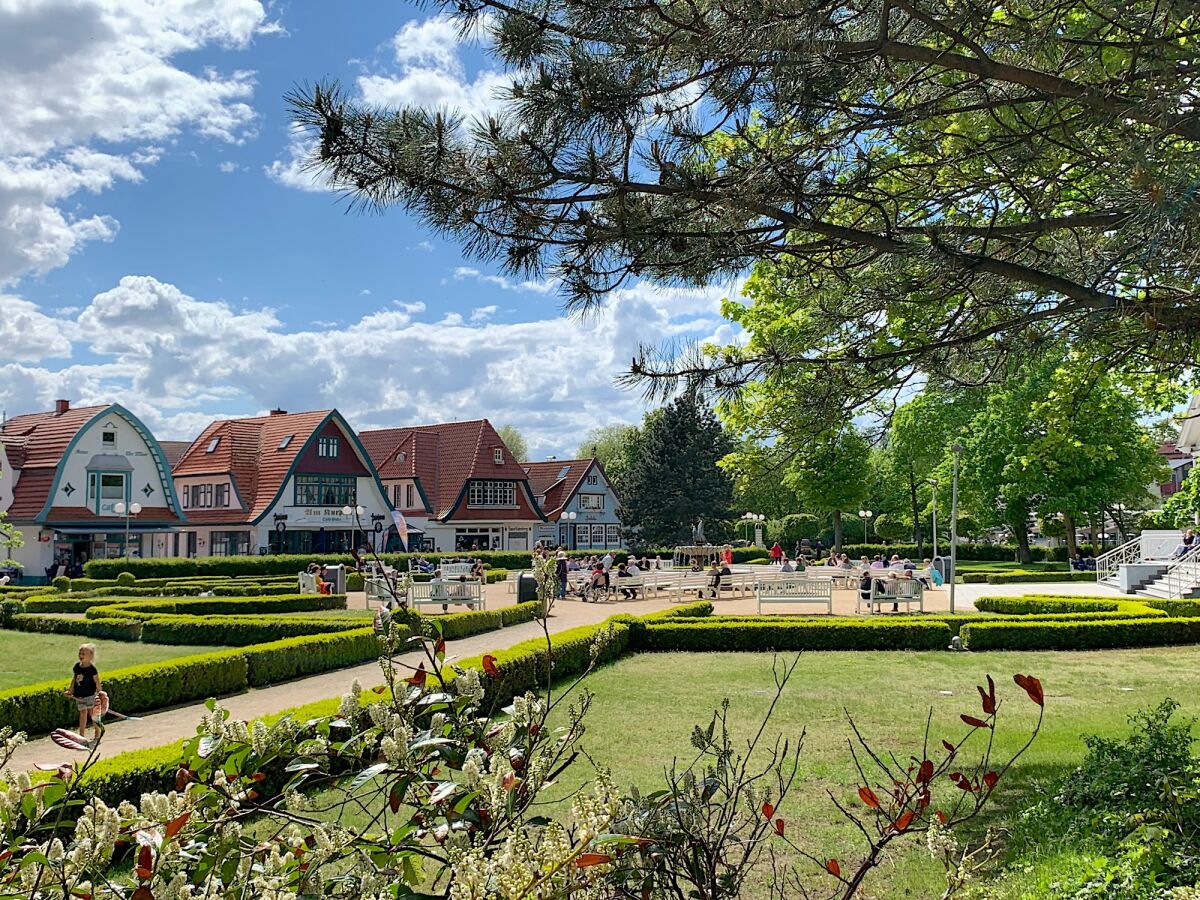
x,y
9,609
1032,604
40,708
291,658
761,635
57,604
1080,635
521,613
108,629
239,631
214,606
125,579
1024,577
62,583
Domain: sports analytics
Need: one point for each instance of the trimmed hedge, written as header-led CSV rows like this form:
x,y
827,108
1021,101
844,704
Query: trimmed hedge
x,y
789,635
110,629
238,631
1024,577
1076,635
213,606
293,657
40,708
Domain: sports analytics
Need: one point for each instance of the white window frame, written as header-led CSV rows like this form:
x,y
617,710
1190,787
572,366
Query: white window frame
x,y
328,446
498,455
591,502
502,494
108,438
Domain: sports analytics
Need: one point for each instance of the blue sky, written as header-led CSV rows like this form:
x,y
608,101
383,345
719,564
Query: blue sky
x,y
160,248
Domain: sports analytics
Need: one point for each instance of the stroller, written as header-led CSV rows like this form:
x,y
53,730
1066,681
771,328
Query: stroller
x,y
591,589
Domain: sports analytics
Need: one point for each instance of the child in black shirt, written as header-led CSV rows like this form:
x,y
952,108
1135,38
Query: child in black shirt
x,y
85,685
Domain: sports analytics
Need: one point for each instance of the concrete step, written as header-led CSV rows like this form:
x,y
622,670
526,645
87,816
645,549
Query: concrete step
x,y
1155,592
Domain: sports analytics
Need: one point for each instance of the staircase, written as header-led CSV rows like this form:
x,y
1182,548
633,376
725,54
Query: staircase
x,y
1144,566
1181,581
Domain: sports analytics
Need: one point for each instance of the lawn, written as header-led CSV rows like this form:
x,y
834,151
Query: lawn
x,y
28,658
645,707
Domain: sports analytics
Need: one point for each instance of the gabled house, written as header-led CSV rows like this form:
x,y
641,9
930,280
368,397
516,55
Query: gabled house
x,y
75,481
580,503
458,483
279,483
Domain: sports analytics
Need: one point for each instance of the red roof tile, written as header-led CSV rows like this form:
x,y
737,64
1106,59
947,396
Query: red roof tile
x,y
442,457
40,440
249,450
548,479
83,514
174,450
1170,451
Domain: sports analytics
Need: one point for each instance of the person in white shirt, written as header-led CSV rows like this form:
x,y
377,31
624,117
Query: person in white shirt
x,y
607,562
787,566
633,568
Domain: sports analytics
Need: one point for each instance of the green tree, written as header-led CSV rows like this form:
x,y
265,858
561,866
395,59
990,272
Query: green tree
x,y
987,177
1182,508
10,536
890,528
675,478
514,441
830,476
616,446
758,480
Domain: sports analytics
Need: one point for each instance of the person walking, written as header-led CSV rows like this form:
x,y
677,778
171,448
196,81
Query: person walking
x,y
560,570
776,553
85,685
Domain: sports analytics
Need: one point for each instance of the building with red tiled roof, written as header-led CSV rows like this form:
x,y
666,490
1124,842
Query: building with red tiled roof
x,y
458,483
279,483
581,505
1180,463
68,478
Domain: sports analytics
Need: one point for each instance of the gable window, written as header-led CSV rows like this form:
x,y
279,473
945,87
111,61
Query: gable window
x,y
325,490
327,447
593,479
108,438
492,493
591,501
498,455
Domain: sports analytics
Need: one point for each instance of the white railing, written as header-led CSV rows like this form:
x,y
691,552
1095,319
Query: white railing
x,y
1183,574
1108,563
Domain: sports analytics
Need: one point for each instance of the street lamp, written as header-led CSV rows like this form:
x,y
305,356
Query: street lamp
x,y
956,450
865,515
752,520
570,517
933,483
121,508
357,512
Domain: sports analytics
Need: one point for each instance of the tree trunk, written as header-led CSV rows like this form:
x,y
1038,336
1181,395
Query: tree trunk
x,y
837,530
1072,546
1023,542
916,513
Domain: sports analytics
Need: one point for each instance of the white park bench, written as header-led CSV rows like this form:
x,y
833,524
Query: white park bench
x,y
895,591
307,583
511,579
454,570
796,589
381,589
445,593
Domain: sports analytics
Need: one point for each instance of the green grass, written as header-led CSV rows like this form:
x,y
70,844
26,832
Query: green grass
x,y
645,707
29,658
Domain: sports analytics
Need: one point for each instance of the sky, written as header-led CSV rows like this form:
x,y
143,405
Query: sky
x,y
161,247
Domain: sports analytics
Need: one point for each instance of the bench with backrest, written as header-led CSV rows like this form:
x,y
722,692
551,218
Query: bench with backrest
x,y
895,591
454,570
382,589
794,589
307,583
445,593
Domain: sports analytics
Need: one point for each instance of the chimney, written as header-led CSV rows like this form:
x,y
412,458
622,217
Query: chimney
x,y
278,412
61,406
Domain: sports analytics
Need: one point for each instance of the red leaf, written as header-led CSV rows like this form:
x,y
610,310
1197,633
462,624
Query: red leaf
x,y
489,666
394,800
509,781
925,773
988,697
380,689
990,780
176,825
903,822
779,827
145,860
591,859
833,868
768,810
142,893
439,648
1032,687
183,777
962,781
867,796
950,748
419,676
941,817
974,722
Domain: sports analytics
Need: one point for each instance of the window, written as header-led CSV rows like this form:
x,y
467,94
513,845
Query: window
x,y
396,493
408,497
562,473
327,447
112,487
230,543
593,479
597,535
108,438
591,501
498,455
401,456
287,439
212,445
325,490
492,493
614,535
583,536
222,496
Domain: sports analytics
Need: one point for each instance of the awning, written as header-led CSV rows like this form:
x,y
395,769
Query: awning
x,y
134,528
109,462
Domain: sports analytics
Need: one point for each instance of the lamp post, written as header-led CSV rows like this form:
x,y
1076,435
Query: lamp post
x,y
865,515
570,518
121,508
357,512
933,483
956,450
752,520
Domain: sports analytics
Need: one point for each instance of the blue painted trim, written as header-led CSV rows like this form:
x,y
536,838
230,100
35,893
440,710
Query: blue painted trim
x,y
151,442
363,457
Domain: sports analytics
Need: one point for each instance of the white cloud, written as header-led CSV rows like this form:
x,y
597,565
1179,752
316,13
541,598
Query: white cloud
x,y
26,334
431,43
228,167
291,172
547,286
78,73
178,361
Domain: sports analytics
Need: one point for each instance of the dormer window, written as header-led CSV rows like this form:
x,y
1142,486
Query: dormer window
x,y
401,456
108,439
498,456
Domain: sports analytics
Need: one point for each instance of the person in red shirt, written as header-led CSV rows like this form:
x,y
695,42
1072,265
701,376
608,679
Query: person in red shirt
x,y
727,555
776,553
